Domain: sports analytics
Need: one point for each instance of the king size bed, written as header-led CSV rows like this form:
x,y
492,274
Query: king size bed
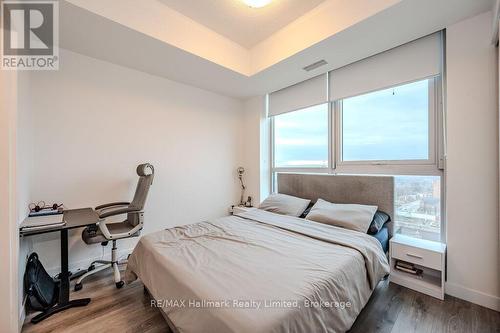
x,y
259,271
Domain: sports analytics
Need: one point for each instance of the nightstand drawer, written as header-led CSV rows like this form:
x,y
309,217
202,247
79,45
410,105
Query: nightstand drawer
x,y
417,256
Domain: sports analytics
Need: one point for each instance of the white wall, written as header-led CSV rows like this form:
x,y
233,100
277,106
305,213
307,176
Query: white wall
x,y
8,212
94,122
24,172
472,162
256,159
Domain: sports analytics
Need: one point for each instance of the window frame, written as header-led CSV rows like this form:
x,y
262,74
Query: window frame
x,y
424,167
442,224
273,146
433,166
322,170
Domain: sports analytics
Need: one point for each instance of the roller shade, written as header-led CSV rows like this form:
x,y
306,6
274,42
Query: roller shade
x,y
409,62
301,95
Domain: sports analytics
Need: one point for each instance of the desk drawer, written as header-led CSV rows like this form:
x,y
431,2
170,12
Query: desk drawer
x,y
417,256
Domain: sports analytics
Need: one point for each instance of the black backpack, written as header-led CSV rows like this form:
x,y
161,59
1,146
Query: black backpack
x,y
41,289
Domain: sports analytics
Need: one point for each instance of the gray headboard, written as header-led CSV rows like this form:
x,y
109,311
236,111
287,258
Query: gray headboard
x,y
366,190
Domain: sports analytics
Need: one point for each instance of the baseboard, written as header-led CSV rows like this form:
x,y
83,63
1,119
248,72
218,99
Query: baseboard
x,y
83,264
473,296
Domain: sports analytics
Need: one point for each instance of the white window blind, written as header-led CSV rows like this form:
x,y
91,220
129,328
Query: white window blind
x,y
413,61
301,95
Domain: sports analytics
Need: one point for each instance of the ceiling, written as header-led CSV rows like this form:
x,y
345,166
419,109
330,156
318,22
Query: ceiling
x,y
150,37
240,23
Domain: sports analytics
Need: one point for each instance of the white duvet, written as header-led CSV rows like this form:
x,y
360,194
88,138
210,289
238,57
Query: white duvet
x,y
259,272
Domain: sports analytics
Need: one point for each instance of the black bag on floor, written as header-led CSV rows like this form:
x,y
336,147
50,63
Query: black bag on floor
x,y
41,289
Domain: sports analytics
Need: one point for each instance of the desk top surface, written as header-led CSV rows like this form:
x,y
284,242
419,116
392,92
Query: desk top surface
x,y
74,218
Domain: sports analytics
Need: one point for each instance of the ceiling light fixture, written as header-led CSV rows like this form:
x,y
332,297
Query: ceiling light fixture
x,y
257,3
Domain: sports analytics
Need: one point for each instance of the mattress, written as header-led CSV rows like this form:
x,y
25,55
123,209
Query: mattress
x,y
258,272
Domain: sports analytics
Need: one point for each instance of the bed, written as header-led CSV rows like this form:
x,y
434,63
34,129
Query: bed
x,y
262,272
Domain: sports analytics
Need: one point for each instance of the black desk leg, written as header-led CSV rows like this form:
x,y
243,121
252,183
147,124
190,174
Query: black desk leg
x,y
64,302
64,278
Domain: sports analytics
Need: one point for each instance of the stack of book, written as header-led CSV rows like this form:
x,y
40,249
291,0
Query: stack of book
x,y
45,212
408,268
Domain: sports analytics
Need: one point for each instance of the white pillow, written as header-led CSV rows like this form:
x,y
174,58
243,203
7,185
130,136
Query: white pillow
x,y
349,216
284,204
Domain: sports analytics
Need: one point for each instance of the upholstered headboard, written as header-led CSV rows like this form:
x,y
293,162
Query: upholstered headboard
x,y
366,190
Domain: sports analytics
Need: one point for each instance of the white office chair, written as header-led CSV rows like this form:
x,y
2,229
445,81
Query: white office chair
x,y
105,231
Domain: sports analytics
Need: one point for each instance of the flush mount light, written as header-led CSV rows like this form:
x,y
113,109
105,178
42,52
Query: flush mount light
x,y
257,3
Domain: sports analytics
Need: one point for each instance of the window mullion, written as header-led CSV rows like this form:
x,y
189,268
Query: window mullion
x,y
337,138
331,131
272,152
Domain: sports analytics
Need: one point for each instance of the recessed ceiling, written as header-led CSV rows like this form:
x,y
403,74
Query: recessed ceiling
x,y
240,23
151,37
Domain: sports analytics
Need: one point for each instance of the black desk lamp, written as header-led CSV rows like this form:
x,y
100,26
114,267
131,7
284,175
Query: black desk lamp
x,y
240,172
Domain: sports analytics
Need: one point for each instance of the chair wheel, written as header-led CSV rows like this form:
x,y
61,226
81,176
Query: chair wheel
x,y
91,268
78,286
119,284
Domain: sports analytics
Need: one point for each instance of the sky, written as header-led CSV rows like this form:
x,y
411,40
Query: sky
x,y
390,124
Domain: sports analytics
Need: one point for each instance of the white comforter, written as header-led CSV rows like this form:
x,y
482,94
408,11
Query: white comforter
x,y
259,272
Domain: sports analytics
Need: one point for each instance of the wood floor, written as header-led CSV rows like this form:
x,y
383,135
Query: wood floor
x,y
391,309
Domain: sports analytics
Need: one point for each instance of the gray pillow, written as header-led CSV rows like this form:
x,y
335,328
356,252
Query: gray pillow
x,y
379,219
284,204
349,216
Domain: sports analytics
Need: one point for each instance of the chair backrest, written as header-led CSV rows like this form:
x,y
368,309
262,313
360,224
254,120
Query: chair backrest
x,y
143,185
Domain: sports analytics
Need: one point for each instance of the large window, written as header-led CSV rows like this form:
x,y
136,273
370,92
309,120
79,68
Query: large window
x,y
301,138
391,131
390,124
417,202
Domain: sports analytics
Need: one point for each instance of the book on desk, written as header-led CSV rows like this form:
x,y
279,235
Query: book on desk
x,y
43,222
46,211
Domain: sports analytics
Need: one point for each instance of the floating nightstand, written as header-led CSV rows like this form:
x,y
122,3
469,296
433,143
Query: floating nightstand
x,y
425,257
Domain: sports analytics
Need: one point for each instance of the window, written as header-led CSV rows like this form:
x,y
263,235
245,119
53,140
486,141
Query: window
x,y
391,131
417,202
385,125
301,138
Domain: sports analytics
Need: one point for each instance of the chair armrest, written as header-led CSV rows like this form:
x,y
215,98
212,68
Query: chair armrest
x,y
107,235
116,211
112,204
105,231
